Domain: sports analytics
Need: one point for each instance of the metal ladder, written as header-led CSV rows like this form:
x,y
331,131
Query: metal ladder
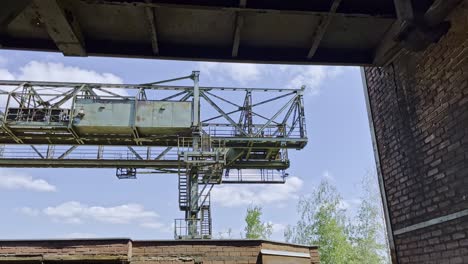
x,y
206,218
183,191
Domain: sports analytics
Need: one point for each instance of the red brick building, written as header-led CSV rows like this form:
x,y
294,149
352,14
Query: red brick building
x,y
155,251
419,107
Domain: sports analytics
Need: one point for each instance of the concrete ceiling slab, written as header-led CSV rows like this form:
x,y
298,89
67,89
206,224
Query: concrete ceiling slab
x,y
260,31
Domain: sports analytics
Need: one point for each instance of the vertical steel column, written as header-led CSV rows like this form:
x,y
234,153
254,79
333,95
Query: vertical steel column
x,y
196,99
249,115
300,102
100,152
192,211
50,151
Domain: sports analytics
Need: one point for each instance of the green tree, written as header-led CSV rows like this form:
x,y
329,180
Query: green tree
x,y
255,228
369,231
323,223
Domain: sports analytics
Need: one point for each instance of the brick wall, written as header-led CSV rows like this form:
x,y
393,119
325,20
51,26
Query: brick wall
x,y
148,252
85,250
446,243
419,106
206,252
313,251
212,251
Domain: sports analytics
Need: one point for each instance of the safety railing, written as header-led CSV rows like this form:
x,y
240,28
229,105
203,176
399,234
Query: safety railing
x,y
271,131
190,229
88,152
34,115
254,176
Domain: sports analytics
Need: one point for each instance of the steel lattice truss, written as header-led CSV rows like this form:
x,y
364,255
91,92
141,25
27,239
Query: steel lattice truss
x,y
205,135
37,126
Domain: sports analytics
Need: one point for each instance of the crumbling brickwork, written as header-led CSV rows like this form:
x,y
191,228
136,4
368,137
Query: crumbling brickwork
x,y
419,106
44,250
199,252
154,252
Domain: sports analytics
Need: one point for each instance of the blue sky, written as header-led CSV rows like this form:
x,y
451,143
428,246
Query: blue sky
x,y
56,203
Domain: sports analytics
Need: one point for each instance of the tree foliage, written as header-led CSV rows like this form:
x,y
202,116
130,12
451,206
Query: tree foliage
x,y
255,228
323,221
369,231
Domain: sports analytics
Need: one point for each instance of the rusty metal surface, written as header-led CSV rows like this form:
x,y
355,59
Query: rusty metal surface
x,y
120,116
163,116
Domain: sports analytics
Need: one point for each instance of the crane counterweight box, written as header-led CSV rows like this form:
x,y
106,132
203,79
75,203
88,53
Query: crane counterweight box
x,y
162,116
101,116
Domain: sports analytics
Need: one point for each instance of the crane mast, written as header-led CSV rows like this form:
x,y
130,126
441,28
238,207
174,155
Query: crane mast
x,y
156,128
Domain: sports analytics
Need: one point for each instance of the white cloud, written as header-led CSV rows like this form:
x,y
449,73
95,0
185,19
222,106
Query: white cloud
x,y
241,195
11,180
313,77
73,212
239,72
6,75
76,212
56,72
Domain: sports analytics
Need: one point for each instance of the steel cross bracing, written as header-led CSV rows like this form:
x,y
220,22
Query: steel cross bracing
x,y
206,135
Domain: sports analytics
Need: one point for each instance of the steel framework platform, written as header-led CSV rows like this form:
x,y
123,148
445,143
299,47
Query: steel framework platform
x,y
243,137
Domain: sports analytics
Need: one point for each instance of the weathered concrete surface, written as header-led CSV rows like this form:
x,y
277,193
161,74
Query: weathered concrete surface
x,y
293,31
419,106
154,252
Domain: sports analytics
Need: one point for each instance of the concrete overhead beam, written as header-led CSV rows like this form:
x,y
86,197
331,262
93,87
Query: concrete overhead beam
x,y
151,18
10,10
61,26
242,7
404,10
239,22
322,28
389,48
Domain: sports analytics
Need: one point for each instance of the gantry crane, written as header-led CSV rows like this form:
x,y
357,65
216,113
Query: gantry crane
x,y
155,128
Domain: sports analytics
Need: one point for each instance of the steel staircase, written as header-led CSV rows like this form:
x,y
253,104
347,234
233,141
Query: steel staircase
x,y
205,224
208,163
183,191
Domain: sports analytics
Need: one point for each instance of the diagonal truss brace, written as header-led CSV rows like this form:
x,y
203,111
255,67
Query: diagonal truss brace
x,y
217,108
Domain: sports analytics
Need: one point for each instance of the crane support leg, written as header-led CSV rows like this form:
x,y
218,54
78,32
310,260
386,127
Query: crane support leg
x,y
192,212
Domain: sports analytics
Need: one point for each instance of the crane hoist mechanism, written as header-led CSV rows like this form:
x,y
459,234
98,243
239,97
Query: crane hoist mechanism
x,y
152,128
